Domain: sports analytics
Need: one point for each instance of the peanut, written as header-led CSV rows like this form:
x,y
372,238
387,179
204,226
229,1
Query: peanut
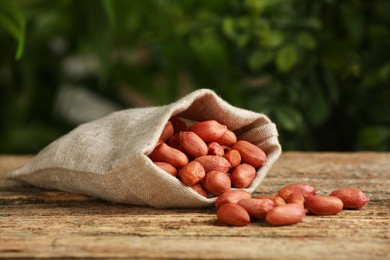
x,y
192,173
324,205
228,139
167,167
174,141
209,131
233,215
215,148
286,215
214,163
200,189
243,175
233,157
167,131
217,182
279,201
232,196
301,188
192,144
250,153
158,143
296,198
165,153
352,198
257,208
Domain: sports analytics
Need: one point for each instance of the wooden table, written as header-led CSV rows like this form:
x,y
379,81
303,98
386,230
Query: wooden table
x,y
36,223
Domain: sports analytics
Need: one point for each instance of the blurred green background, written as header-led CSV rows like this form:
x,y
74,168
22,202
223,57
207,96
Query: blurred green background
x,y
319,69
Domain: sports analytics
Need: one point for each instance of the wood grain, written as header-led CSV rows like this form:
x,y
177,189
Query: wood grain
x,y
36,223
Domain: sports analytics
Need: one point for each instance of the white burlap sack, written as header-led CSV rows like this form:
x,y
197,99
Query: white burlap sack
x,y
107,158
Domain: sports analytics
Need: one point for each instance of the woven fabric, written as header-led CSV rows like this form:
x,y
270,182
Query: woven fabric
x,y
107,158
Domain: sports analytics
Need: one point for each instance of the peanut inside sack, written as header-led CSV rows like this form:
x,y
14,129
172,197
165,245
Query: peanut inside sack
x,y
110,158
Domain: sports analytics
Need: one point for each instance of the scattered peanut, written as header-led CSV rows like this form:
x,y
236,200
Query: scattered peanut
x,y
233,214
279,201
324,205
296,198
232,196
286,215
352,198
276,212
301,188
257,208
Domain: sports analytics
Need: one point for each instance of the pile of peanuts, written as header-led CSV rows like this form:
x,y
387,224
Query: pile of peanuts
x,y
207,157
289,206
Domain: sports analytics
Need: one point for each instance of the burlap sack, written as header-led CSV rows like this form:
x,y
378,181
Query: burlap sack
x,y
107,158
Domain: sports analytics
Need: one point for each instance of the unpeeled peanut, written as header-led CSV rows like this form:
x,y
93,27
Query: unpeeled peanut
x,y
167,131
301,188
232,196
200,189
243,175
228,139
174,141
192,173
250,153
352,198
217,182
165,153
215,148
209,131
279,201
324,205
233,214
192,144
169,168
286,215
214,163
233,157
296,198
257,208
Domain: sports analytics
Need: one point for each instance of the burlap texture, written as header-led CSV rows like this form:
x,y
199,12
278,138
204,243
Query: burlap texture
x,y
107,158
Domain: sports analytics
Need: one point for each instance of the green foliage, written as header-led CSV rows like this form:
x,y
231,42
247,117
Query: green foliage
x,y
14,23
286,58
319,69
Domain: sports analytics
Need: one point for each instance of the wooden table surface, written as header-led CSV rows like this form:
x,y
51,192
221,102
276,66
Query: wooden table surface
x,y
36,223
